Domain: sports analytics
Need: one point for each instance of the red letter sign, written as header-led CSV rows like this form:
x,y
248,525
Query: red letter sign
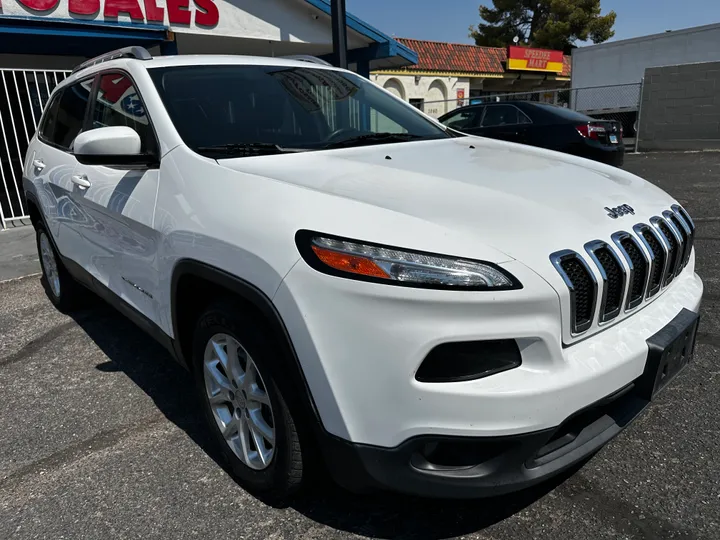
x,y
207,14
39,5
84,7
153,12
178,11
131,7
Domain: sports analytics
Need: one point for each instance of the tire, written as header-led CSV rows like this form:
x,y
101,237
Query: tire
x,y
235,398
64,292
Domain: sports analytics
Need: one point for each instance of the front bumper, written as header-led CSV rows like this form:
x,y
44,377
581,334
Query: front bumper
x,y
456,467
360,344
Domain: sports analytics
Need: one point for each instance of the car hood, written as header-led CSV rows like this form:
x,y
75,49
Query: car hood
x,y
523,201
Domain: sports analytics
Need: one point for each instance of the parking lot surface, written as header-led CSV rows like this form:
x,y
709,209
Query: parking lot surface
x,y
100,437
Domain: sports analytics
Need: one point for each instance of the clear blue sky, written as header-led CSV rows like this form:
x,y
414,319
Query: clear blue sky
x,y
448,20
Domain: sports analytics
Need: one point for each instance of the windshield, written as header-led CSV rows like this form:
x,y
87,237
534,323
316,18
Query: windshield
x,y
250,110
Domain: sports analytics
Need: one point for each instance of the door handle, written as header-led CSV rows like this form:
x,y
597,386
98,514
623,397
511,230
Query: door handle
x,y
81,180
39,164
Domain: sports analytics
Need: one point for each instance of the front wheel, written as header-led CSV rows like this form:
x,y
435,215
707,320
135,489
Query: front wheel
x,y
246,411
64,292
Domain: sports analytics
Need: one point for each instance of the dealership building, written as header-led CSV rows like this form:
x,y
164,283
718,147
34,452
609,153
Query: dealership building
x,y
41,40
449,75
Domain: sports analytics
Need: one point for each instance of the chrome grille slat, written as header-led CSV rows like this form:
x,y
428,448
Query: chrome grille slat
x,y
687,222
582,285
658,257
671,241
684,234
638,265
613,278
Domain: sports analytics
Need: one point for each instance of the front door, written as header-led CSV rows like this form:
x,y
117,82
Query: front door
x,y
120,201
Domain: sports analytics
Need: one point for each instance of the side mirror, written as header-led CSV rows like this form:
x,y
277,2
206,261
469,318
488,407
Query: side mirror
x,y
113,146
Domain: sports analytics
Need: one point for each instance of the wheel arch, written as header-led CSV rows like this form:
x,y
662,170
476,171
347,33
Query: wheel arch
x,y
33,206
187,275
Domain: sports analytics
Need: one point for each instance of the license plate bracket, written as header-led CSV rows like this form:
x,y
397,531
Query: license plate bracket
x,y
669,352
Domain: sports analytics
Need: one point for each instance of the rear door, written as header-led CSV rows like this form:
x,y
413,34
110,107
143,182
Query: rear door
x,y
120,201
51,167
505,122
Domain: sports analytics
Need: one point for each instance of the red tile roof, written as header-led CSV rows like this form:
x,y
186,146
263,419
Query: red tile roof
x,y
460,57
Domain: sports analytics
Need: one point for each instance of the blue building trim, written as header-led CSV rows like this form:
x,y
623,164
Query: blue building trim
x,y
52,36
388,47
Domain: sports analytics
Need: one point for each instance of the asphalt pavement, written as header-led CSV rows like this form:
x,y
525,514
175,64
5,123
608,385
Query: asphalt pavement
x,y
100,437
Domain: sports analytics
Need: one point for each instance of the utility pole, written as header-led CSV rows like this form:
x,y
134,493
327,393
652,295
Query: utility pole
x,y
339,33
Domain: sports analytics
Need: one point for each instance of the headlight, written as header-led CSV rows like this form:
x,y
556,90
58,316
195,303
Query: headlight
x,y
385,264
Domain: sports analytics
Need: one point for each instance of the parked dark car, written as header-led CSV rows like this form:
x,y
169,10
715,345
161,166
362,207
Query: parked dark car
x,y
543,125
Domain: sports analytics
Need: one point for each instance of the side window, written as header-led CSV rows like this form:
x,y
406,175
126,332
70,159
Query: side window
x,y
523,118
118,104
47,126
464,119
65,119
504,115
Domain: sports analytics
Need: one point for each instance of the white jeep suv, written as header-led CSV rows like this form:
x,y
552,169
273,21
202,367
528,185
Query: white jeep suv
x,y
429,312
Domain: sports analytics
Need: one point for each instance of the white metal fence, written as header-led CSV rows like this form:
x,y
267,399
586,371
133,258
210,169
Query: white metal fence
x,y
23,95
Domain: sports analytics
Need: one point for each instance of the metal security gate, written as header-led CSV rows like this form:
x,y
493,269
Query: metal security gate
x,y
23,95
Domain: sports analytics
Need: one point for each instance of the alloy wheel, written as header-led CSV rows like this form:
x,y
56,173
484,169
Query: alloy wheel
x,y
50,266
239,401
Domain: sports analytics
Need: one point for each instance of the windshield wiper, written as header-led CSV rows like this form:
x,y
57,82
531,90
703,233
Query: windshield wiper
x,y
373,138
244,149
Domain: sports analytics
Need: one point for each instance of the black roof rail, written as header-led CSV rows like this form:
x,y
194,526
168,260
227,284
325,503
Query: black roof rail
x,y
139,53
307,58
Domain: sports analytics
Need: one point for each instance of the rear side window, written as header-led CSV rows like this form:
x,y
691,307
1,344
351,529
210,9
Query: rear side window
x,y
504,115
47,127
118,104
65,115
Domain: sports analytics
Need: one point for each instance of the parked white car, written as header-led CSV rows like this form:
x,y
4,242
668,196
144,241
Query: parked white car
x,y
431,313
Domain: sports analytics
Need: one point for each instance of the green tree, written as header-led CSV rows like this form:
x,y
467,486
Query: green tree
x,y
551,24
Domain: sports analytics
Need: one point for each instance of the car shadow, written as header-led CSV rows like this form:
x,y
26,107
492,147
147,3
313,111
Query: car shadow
x,y
379,515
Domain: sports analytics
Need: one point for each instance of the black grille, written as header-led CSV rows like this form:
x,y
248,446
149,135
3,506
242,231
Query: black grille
x,y
659,254
614,285
584,292
686,245
672,252
640,269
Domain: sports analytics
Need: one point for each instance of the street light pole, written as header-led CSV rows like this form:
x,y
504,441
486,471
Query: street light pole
x,y
339,33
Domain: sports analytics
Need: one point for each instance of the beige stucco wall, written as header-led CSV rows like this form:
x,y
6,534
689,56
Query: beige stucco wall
x,y
439,93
